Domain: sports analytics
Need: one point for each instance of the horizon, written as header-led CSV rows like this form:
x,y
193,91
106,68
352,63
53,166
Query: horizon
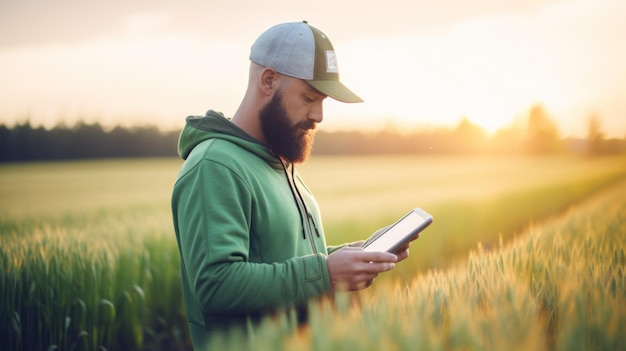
x,y
518,125
417,65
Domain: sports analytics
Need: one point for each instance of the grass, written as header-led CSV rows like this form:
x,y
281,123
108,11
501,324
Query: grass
x,y
88,258
110,279
54,190
558,286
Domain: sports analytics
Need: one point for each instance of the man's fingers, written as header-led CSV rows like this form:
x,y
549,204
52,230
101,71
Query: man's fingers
x,y
363,281
377,262
379,257
378,267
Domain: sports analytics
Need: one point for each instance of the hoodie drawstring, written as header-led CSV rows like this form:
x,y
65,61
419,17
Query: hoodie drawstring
x,y
302,207
306,209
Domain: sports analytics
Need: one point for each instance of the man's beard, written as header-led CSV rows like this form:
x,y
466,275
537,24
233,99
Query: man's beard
x,y
292,143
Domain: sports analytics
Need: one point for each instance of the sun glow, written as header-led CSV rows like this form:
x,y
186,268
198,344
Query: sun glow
x,y
487,66
482,70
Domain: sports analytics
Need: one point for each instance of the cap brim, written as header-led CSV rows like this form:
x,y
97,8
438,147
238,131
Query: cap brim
x,y
335,89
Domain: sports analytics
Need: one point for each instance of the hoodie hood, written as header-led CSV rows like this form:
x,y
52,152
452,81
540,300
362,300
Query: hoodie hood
x,y
214,125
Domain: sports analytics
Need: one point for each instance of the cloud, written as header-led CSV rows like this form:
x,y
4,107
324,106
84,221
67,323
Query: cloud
x,y
161,59
36,22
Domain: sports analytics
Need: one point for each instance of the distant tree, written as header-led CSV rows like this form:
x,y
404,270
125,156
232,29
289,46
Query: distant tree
x,y
6,135
542,135
508,140
595,135
469,137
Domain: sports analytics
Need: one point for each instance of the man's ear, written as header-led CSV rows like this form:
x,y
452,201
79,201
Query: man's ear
x,y
268,81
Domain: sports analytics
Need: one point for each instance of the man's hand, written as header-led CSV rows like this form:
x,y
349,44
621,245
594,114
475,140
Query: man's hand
x,y
402,252
350,268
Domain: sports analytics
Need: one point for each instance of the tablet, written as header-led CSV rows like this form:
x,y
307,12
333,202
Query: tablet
x,y
401,232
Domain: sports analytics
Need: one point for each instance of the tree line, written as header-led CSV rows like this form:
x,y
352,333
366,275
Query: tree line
x,y
537,135
24,142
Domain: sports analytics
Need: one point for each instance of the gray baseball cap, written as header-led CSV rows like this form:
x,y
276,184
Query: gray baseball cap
x,y
299,50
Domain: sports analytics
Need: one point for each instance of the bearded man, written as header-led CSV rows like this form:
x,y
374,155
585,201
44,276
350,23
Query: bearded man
x,y
249,231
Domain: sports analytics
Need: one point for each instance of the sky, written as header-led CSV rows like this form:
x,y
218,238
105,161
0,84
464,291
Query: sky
x,y
417,63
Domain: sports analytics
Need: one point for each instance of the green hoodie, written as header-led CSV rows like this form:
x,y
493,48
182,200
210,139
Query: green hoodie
x,y
249,231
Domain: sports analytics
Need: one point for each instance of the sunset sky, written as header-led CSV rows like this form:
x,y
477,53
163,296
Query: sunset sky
x,y
417,63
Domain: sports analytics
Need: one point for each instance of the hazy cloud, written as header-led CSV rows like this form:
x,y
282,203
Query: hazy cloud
x,y
39,22
423,60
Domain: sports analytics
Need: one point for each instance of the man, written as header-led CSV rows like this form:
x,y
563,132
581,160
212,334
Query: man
x,y
249,231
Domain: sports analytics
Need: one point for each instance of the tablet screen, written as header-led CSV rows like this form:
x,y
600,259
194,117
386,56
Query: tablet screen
x,y
400,230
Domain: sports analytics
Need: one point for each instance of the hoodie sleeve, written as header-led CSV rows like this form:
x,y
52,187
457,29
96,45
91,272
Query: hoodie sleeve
x,y
212,215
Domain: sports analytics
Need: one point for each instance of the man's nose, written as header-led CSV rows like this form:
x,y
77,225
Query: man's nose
x,y
317,114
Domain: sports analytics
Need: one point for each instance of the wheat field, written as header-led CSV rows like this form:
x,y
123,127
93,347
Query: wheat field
x,y
524,253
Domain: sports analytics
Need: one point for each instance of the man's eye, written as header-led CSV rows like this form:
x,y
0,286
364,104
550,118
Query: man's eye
x,y
308,99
